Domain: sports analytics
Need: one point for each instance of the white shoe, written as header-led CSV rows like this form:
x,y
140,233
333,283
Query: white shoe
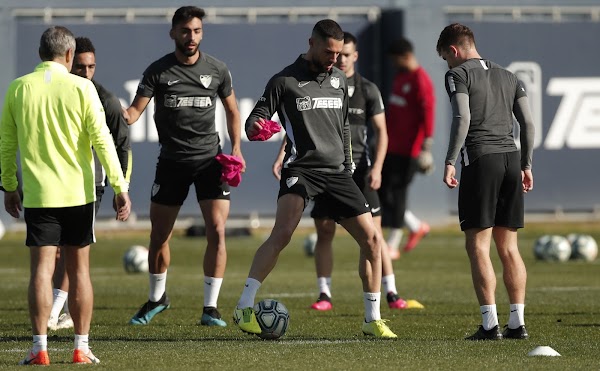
x,y
53,323
65,321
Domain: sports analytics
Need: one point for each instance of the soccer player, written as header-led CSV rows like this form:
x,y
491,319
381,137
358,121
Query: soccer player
x,y
365,108
84,65
495,174
185,85
410,123
311,97
53,118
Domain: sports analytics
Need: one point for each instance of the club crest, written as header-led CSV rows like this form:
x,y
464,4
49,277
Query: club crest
x,y
335,82
205,80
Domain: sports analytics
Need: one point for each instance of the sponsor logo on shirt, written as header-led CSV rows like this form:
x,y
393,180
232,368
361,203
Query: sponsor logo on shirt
x,y
356,111
397,100
307,103
173,101
205,80
335,82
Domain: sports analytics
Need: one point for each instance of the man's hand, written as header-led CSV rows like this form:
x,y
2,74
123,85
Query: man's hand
x,y
449,176
254,129
238,153
425,162
12,203
527,177
123,206
375,178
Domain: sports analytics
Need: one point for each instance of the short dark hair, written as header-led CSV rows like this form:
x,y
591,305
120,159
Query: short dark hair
x,y
349,38
328,28
455,34
84,45
185,13
55,42
400,46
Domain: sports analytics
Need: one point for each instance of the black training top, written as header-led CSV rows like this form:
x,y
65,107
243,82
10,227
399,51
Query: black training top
x,y
185,98
364,103
313,109
493,92
119,131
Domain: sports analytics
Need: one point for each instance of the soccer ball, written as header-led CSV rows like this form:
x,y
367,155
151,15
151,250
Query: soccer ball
x,y
539,247
310,242
273,318
583,247
557,248
135,259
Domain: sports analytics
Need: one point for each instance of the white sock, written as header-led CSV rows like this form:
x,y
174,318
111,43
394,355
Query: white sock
x,y
249,293
489,316
324,284
60,298
40,342
394,238
389,284
412,222
81,342
212,286
372,301
158,284
517,316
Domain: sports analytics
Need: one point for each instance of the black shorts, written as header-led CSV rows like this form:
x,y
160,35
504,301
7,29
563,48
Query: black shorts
x,y
337,192
59,226
491,192
361,178
173,179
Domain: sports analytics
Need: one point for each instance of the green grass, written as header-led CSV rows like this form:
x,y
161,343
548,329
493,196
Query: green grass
x,y
562,310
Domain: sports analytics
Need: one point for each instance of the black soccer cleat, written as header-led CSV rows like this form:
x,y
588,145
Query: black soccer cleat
x,y
515,333
149,310
483,334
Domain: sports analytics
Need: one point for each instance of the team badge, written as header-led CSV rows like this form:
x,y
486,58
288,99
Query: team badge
x,y
205,80
350,91
303,104
291,181
155,189
406,88
335,82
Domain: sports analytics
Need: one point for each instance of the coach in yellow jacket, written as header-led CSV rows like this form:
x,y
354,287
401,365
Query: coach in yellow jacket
x,y
53,118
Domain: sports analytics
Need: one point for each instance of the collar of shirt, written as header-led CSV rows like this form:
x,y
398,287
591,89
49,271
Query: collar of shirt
x,y
50,65
305,66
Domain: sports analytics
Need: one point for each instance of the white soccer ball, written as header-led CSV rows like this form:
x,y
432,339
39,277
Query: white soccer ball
x,y
310,243
557,248
272,317
539,247
583,247
135,259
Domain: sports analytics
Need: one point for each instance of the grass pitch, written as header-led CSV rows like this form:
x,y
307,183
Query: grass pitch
x,y
562,310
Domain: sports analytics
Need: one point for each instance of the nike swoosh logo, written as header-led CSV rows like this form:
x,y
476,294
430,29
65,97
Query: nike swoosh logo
x,y
246,285
512,311
366,205
372,299
375,209
225,193
303,84
208,283
461,222
485,312
172,82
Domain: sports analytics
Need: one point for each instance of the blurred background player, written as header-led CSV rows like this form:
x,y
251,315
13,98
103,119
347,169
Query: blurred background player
x,y
410,124
311,95
495,174
84,65
185,85
58,182
365,108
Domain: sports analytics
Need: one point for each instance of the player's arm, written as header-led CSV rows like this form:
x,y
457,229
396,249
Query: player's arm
x,y
234,127
427,107
461,120
95,124
266,106
278,164
527,130
379,126
120,132
8,158
136,108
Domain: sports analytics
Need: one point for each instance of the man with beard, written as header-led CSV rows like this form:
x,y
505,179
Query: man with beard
x,y
311,97
185,85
